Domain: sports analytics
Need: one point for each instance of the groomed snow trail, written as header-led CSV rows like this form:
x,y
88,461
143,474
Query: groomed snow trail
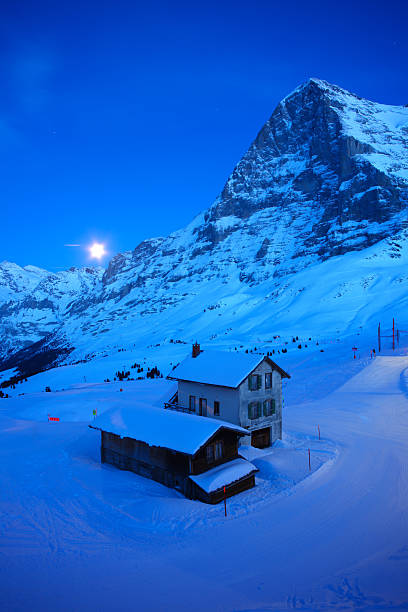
x,y
74,534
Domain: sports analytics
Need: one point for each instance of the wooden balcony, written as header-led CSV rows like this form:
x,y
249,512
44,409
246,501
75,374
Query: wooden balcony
x,y
170,406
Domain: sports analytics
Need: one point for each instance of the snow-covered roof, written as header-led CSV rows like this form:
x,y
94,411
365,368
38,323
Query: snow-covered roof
x,y
151,392
179,431
222,368
223,475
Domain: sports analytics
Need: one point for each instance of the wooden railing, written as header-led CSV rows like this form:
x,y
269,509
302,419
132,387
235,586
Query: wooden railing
x,y
179,408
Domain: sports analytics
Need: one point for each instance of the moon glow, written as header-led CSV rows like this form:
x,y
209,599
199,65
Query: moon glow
x,y
97,250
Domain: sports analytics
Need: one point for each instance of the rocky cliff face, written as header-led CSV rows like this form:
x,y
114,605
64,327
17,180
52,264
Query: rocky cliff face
x,y
326,175
34,302
329,170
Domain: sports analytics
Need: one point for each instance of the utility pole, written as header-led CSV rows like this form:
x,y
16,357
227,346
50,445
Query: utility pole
x,y
393,334
379,338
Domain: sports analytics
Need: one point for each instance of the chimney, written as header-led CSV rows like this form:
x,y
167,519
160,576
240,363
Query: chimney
x,y
196,350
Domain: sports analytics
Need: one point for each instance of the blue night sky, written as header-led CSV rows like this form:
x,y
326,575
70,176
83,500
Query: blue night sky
x,y
122,120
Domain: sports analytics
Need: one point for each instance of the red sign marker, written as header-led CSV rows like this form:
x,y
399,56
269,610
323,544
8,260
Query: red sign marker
x,y
50,418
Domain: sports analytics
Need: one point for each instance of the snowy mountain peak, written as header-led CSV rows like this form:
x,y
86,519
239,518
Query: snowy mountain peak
x,y
35,269
329,162
35,302
327,175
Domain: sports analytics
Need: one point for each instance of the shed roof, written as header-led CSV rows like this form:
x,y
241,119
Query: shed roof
x,y
221,368
224,475
182,432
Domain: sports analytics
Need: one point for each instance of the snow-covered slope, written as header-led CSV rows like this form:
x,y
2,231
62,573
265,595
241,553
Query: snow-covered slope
x,y
84,536
310,229
34,302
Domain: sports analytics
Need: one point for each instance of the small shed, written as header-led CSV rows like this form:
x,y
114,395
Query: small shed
x,y
196,455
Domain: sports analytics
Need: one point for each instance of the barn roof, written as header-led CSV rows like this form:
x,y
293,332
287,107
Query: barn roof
x,y
224,475
182,432
221,368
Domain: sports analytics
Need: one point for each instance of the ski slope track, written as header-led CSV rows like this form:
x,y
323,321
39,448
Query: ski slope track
x,y
76,535
309,232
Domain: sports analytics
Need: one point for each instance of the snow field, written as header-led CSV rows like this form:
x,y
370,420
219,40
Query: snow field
x,y
76,535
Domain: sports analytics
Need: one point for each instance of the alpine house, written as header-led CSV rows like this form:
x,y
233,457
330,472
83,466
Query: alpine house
x,y
241,388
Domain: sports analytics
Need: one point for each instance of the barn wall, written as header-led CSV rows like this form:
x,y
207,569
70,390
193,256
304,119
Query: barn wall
x,y
167,467
200,462
217,496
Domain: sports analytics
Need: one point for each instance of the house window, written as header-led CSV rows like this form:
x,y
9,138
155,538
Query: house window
x,y
254,382
192,403
254,410
202,406
268,380
210,453
218,450
269,407
216,408
215,451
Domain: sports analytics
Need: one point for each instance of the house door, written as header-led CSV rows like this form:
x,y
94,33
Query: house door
x,y
261,438
202,407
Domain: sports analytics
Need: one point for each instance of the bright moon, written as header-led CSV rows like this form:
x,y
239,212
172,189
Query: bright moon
x,y
97,250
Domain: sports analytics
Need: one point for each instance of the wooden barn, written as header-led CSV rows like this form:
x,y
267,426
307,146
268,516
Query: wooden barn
x,y
196,455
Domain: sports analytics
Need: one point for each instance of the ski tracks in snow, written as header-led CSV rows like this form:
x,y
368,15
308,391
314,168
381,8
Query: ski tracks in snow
x,y
336,539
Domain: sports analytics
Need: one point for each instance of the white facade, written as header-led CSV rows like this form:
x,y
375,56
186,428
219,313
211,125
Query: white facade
x,y
255,404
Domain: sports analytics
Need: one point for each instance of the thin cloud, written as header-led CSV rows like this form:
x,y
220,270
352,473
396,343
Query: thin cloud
x,y
72,245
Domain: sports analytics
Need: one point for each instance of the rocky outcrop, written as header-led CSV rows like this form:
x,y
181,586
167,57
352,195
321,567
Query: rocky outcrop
x,y
35,303
326,175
